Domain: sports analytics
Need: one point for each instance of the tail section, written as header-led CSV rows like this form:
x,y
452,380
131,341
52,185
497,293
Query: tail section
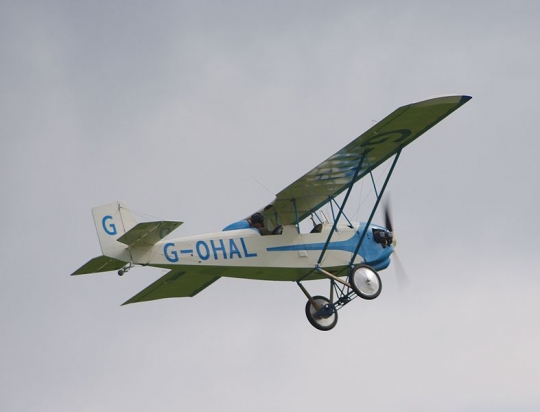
x,y
113,221
100,264
120,238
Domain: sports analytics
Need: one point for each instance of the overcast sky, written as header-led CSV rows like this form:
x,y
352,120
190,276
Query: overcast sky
x,y
176,108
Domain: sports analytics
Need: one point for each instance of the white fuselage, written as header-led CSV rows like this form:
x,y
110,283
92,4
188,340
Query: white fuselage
x,y
249,255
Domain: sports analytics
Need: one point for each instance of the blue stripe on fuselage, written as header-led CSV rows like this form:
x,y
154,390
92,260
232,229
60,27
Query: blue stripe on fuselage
x,y
372,252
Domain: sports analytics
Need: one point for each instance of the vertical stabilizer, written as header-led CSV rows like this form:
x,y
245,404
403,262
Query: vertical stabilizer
x,y
112,221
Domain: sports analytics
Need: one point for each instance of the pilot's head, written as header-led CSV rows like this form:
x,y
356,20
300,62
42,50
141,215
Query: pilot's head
x,y
257,220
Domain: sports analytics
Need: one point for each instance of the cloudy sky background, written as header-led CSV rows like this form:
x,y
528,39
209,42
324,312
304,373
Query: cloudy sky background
x,y
176,108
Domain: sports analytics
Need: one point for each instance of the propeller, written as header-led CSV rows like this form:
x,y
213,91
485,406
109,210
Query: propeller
x,y
388,216
402,278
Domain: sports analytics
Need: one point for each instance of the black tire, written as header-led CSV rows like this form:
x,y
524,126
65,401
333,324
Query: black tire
x,y
366,282
325,318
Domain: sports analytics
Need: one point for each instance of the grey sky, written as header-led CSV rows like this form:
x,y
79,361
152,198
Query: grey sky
x,y
174,107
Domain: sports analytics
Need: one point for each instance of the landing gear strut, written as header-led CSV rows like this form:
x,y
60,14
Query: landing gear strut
x,y
321,312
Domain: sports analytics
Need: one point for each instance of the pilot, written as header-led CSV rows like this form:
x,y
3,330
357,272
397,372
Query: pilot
x,y
256,221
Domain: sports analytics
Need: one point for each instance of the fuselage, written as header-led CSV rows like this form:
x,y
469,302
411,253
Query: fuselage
x,y
290,256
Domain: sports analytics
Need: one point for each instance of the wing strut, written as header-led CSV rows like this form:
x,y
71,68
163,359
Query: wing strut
x,y
374,185
296,215
345,216
379,197
340,211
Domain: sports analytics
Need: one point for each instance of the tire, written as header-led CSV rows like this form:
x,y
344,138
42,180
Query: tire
x,y
325,318
365,282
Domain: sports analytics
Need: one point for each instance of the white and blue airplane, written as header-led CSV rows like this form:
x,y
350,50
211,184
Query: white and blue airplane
x,y
269,244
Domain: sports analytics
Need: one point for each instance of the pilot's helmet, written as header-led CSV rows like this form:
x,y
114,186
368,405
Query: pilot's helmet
x,y
257,218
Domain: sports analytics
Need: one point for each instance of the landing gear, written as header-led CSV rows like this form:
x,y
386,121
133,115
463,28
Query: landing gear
x,y
365,282
321,313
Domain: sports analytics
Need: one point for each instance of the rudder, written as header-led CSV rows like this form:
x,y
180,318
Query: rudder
x,y
113,221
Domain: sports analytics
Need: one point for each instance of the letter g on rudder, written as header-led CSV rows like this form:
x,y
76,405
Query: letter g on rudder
x,y
109,228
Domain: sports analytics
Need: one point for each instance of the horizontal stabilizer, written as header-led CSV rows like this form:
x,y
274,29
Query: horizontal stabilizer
x,y
175,284
148,233
100,264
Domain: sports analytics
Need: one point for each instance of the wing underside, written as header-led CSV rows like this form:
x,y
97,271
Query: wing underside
x,y
177,283
360,157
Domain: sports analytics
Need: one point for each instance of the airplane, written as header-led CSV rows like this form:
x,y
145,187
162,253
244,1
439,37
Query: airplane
x,y
269,244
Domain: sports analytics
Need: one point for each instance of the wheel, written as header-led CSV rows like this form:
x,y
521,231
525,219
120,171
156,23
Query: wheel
x,y
365,282
323,319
